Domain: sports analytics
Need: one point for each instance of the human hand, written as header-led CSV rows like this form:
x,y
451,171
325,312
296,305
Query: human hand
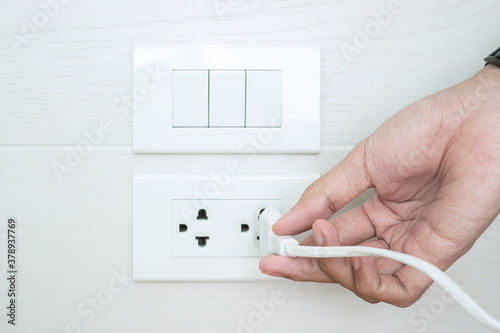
x,y
435,168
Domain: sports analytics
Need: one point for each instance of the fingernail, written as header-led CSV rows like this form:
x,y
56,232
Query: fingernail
x,y
355,263
318,236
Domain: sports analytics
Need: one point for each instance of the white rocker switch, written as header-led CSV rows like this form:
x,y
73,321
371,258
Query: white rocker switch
x,y
227,98
264,98
190,98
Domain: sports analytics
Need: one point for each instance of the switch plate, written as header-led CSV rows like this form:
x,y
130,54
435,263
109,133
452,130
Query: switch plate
x,y
295,128
162,202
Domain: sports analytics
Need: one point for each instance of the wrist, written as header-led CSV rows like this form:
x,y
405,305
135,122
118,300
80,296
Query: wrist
x,y
487,79
482,89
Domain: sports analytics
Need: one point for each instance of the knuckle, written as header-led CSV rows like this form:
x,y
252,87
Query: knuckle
x,y
318,192
310,189
373,292
368,290
370,300
402,300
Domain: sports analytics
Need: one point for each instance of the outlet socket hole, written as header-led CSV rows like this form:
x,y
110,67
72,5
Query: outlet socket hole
x,y
244,227
202,215
183,228
202,241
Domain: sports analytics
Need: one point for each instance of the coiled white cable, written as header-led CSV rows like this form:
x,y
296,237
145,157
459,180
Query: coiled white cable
x,y
288,246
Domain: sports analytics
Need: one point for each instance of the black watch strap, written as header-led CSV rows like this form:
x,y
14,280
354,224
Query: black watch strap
x,y
493,58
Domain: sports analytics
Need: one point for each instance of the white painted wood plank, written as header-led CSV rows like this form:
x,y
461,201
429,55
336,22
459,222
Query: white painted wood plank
x,y
65,79
75,233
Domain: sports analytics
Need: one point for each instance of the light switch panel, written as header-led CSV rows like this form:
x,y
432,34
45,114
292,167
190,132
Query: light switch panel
x,y
256,100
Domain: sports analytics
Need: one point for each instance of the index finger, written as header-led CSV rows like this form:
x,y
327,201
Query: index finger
x,y
328,194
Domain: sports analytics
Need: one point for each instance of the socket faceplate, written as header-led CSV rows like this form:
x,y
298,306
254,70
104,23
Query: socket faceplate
x,y
217,228
155,195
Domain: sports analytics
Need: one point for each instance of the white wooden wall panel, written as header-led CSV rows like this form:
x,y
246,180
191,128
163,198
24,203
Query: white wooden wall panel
x,y
74,233
65,79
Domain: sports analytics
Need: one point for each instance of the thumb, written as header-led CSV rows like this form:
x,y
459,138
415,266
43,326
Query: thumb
x,y
328,194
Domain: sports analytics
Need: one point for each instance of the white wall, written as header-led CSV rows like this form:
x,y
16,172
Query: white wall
x,y
74,234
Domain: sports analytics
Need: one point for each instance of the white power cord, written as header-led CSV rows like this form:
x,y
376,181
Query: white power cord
x,y
271,243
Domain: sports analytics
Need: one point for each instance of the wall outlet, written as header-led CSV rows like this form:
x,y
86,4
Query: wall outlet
x,y
218,228
193,227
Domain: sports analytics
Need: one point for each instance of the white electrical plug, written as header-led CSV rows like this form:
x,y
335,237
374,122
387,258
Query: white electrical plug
x,y
270,243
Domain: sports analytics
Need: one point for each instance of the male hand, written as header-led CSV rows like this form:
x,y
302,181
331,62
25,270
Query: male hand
x,y
435,168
